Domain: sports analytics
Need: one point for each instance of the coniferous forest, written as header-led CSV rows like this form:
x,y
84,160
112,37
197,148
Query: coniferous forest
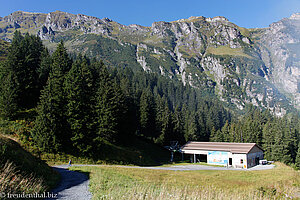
x,y
76,104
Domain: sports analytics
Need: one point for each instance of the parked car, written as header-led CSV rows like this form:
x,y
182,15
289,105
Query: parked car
x,y
263,162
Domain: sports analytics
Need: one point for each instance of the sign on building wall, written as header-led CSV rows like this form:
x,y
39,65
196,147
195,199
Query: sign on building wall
x,y
217,157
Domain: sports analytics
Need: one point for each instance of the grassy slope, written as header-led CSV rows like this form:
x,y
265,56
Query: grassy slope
x,y
138,152
128,183
146,153
225,50
22,172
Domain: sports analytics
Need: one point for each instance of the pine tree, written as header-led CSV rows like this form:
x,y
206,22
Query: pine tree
x,y
79,91
191,128
44,68
23,60
225,132
268,140
129,122
178,126
118,102
106,108
51,132
213,136
297,161
232,133
163,122
147,113
61,59
8,96
203,135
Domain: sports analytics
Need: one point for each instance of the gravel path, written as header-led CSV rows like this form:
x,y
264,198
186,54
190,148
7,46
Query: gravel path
x,y
205,167
189,167
73,185
202,167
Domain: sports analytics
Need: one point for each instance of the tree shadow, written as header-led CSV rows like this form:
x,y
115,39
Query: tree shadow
x,y
69,179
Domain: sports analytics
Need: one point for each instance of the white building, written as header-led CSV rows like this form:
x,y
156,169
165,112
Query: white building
x,y
237,155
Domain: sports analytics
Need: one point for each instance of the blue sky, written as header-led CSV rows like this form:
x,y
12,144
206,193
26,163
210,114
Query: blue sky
x,y
249,14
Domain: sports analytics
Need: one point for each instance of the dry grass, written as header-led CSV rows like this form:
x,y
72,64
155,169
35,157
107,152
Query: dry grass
x,y
13,181
225,50
21,172
281,182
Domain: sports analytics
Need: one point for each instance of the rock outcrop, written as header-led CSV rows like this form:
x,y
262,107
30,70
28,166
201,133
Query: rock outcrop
x,y
282,41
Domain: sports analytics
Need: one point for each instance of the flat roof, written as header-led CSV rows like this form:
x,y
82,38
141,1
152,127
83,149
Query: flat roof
x,y
220,146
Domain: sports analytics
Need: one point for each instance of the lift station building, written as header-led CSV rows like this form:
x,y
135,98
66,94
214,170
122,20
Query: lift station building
x,y
237,155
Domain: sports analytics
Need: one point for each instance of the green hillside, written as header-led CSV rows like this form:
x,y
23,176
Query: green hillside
x,y
21,172
138,152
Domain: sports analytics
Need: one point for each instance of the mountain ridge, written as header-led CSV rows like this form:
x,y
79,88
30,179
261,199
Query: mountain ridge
x,y
241,66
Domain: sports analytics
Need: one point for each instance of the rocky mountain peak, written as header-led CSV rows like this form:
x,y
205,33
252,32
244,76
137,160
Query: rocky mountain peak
x,y
201,18
218,18
24,13
191,19
295,16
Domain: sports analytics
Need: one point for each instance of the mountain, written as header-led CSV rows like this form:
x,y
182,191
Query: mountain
x,y
280,51
240,66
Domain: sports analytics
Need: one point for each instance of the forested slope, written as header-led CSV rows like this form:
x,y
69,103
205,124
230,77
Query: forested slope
x,y
80,106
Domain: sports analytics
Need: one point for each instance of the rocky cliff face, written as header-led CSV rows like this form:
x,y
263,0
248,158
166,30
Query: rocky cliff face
x,y
281,41
240,66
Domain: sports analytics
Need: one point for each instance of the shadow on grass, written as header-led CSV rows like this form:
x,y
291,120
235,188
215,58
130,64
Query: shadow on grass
x,y
165,160
83,172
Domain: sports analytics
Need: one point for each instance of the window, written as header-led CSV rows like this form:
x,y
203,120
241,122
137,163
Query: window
x,y
242,161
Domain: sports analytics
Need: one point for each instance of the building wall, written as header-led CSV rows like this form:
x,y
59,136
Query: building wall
x,y
239,160
217,157
213,157
253,158
255,149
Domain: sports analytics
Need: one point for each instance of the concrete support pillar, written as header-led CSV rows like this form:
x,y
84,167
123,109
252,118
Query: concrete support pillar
x,y
194,158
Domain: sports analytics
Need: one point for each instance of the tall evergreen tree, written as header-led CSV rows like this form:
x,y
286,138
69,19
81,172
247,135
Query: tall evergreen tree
x,y
163,122
120,111
297,161
225,132
147,113
129,122
79,91
178,126
23,60
107,110
8,96
44,69
191,127
51,132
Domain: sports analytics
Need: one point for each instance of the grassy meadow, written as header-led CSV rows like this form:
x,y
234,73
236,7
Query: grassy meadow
x,y
109,182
